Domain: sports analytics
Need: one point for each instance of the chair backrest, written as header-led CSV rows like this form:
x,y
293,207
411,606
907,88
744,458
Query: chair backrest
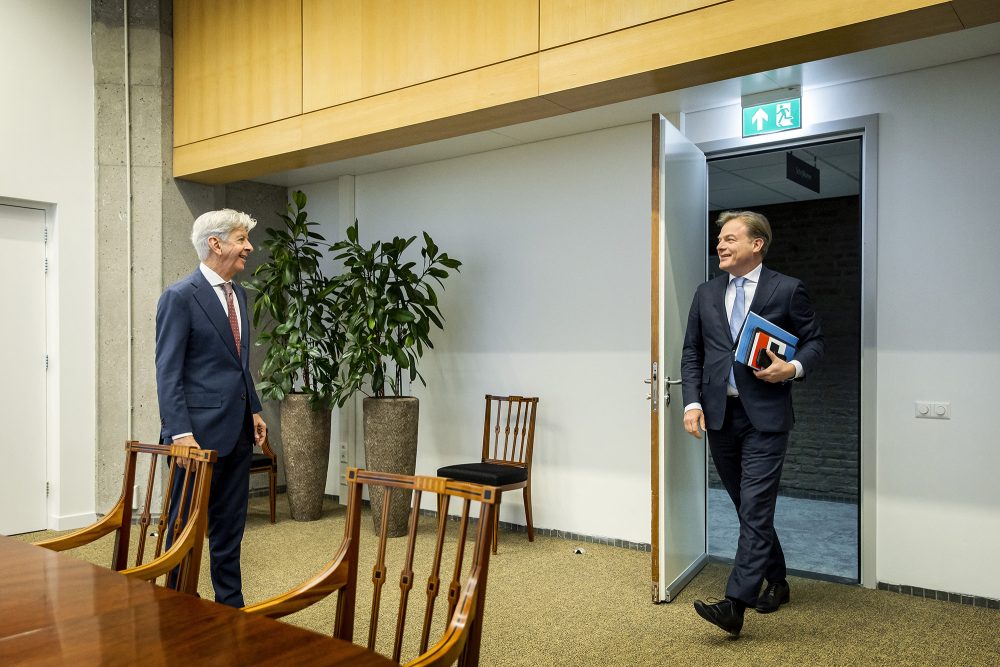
x,y
265,448
509,430
428,560
180,562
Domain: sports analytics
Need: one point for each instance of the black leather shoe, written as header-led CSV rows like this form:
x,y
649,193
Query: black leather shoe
x,y
723,613
775,595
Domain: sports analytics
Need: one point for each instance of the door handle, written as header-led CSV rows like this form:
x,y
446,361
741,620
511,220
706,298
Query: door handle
x,y
666,389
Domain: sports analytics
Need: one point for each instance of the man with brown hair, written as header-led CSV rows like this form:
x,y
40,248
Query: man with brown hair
x,y
746,413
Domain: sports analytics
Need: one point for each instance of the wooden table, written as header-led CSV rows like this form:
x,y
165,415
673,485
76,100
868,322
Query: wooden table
x,y
55,609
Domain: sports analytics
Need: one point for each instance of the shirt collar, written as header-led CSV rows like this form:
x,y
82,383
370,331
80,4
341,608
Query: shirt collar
x,y
752,277
213,278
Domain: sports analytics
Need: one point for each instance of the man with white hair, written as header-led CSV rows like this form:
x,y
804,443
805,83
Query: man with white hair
x,y
206,393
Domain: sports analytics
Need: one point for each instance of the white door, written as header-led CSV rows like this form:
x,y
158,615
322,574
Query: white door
x,y
679,241
22,388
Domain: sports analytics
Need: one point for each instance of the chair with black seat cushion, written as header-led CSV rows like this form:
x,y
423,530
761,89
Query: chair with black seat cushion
x,y
178,562
267,461
441,555
508,439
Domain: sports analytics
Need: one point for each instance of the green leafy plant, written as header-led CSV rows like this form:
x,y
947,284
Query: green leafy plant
x,y
386,306
295,303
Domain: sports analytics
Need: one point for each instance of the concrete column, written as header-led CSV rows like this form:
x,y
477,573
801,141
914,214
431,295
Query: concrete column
x,y
144,221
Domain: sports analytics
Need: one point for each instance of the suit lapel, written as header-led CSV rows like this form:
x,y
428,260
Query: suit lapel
x,y
206,297
765,289
719,301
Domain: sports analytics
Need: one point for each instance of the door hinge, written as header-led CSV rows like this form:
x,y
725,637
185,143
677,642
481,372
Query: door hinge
x,y
46,266
46,362
46,489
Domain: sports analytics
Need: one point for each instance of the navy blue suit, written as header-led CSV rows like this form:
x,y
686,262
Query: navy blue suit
x,y
748,435
206,389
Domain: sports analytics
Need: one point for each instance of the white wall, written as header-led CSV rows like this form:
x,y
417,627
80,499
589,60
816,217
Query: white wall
x,y
938,314
47,160
552,300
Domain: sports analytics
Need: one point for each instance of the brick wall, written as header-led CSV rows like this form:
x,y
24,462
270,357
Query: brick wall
x,y
819,242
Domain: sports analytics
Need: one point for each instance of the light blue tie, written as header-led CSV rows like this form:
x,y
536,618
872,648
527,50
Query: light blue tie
x,y
736,318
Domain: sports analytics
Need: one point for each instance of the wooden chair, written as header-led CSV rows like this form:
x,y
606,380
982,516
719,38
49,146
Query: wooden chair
x,y
181,561
461,636
508,440
267,461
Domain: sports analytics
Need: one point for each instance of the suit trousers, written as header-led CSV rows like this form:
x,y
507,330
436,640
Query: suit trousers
x,y
749,463
227,517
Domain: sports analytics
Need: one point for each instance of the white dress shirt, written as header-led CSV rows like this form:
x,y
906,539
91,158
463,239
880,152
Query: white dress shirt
x,y
217,282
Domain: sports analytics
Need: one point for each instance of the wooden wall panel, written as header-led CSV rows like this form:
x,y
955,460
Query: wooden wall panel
x,y
730,27
237,64
718,41
358,48
977,12
474,101
564,21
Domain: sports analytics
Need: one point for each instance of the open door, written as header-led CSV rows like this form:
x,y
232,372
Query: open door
x,y
678,266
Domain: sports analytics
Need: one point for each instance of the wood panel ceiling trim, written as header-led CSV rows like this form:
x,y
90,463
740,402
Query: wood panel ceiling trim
x,y
975,13
565,21
709,33
469,102
926,22
236,65
646,60
359,48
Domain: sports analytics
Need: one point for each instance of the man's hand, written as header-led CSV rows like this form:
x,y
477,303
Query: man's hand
x,y
694,422
186,441
259,429
779,370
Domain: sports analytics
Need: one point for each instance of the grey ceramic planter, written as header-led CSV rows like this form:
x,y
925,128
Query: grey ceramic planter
x,y
305,441
391,446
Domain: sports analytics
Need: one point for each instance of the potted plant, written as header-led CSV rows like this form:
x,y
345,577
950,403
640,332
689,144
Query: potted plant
x,y
386,306
294,313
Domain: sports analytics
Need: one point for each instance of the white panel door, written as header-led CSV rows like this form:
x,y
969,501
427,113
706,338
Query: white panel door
x,y
22,388
680,219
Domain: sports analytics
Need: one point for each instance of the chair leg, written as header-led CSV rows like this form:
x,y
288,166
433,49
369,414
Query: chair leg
x,y
496,521
273,489
527,513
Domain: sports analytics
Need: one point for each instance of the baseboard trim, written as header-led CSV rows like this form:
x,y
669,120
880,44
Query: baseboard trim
x,y
71,521
508,527
561,534
942,596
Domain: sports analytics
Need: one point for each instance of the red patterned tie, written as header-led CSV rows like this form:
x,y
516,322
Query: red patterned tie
x,y
233,323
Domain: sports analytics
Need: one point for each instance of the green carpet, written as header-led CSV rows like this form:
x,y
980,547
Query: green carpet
x,y
547,605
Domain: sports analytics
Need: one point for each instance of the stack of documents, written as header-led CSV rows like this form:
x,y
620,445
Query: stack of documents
x,y
759,335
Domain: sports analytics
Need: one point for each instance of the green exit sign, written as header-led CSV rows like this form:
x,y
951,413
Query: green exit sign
x,y
772,117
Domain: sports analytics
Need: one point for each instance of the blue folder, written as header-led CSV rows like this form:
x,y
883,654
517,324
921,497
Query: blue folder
x,y
760,334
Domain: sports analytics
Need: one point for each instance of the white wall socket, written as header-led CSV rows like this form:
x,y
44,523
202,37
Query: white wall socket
x,y
933,410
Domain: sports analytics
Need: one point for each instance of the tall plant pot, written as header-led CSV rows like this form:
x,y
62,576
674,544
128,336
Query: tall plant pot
x,y
305,440
391,446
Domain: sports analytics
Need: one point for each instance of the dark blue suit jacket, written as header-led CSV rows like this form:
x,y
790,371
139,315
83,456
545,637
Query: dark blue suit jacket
x,y
203,387
708,350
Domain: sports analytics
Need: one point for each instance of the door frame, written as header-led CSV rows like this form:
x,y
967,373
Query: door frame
x,y
865,128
